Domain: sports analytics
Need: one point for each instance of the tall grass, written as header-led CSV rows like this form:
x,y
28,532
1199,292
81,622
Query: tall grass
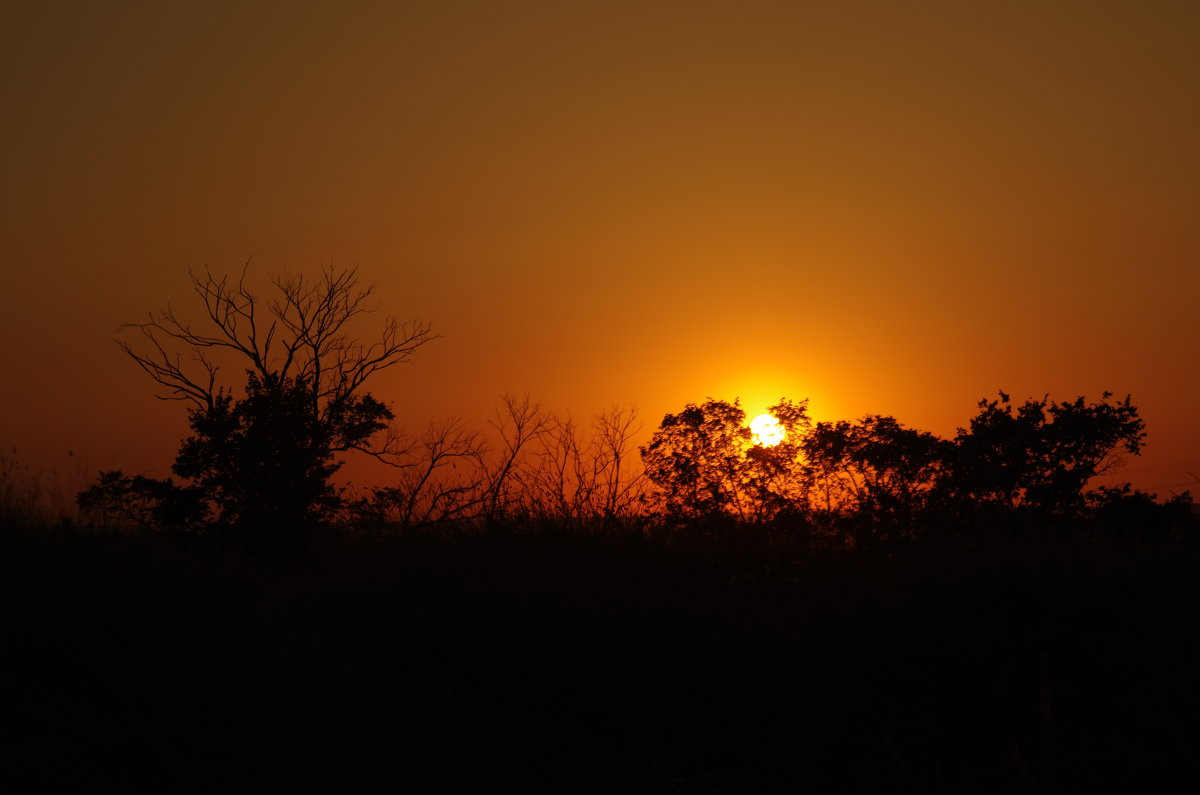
x,y
530,658
35,498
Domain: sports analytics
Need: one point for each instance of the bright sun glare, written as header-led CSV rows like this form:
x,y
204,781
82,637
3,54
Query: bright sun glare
x,y
767,430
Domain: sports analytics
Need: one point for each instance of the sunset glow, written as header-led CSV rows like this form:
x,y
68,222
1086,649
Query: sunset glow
x,y
617,204
766,430
600,396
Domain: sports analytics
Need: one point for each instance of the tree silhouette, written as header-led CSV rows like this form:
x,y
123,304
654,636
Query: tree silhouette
x,y
539,468
1041,454
520,423
145,503
874,467
695,459
439,481
774,478
705,463
883,476
578,477
265,459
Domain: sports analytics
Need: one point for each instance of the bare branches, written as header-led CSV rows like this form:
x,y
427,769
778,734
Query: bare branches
x,y
578,477
302,332
519,423
441,480
167,368
538,467
620,482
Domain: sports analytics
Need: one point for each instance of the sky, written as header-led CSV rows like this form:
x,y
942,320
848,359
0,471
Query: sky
x,y
895,208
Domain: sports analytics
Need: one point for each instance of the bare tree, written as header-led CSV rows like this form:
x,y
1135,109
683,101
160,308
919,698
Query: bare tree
x,y
301,333
441,480
519,424
621,482
538,467
569,474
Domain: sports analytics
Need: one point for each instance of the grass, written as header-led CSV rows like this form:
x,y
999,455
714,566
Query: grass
x,y
30,498
587,662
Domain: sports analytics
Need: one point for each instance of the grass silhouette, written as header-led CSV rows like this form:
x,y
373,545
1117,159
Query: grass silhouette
x,y
541,659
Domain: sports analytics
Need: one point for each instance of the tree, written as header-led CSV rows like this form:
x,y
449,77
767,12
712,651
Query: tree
x,y
520,424
695,459
579,477
539,467
619,488
1041,454
267,458
145,503
440,481
706,464
773,479
874,467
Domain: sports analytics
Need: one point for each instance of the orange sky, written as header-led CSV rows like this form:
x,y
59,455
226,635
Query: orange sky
x,y
885,207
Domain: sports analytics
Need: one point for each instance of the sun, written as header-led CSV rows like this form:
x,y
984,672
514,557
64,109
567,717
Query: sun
x,y
766,430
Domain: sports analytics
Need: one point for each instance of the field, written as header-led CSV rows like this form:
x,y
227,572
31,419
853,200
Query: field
x,y
546,660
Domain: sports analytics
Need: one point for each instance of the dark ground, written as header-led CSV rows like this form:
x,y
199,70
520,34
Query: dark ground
x,y
569,663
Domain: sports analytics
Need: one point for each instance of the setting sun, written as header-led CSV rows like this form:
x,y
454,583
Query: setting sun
x,y
767,430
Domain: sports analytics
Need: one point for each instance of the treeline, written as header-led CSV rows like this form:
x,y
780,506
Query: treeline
x,y
261,459
249,469
873,479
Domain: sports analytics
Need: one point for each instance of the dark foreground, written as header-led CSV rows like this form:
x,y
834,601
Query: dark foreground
x,y
563,663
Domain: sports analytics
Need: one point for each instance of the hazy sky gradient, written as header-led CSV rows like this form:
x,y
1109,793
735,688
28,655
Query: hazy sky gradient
x,y
885,207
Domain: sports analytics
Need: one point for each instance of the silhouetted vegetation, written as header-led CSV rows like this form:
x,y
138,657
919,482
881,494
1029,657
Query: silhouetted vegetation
x,y
546,657
261,461
874,480
861,607
1041,454
261,464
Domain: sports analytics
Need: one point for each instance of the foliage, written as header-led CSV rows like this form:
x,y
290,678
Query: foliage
x,y
773,478
1123,511
145,503
874,467
878,476
1040,454
266,460
695,459
705,463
